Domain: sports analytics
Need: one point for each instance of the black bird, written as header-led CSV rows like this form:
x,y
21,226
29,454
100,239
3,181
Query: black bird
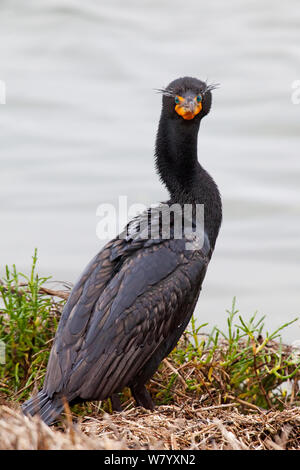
x,y
136,297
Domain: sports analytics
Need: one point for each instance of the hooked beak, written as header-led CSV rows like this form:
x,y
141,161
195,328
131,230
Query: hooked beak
x,y
188,108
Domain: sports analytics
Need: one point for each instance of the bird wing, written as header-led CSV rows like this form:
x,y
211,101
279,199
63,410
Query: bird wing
x,y
77,312
102,344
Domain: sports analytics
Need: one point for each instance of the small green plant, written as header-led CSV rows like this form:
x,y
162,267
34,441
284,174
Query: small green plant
x,y
241,363
28,320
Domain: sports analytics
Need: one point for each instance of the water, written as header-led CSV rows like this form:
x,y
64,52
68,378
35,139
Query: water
x,y
79,126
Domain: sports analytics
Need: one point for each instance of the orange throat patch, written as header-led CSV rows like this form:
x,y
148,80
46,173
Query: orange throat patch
x,y
185,112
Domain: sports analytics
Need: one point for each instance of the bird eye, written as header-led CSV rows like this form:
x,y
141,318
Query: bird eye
x,y
199,99
177,100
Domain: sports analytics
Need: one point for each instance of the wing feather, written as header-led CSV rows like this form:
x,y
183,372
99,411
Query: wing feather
x,y
123,317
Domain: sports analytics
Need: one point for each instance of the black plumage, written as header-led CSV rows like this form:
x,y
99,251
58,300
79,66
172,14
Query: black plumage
x,y
135,298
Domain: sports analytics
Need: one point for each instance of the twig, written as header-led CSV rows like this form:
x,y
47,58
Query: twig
x,y
175,371
42,290
246,403
56,293
27,386
215,407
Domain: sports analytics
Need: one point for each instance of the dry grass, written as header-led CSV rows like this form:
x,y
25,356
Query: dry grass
x,y
168,427
233,389
207,416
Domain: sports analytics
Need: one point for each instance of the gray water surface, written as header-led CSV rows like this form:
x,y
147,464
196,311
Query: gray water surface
x,y
79,126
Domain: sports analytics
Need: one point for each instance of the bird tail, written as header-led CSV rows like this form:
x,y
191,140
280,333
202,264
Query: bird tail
x,y
47,408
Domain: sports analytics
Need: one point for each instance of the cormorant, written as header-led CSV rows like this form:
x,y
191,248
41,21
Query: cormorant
x,y
135,298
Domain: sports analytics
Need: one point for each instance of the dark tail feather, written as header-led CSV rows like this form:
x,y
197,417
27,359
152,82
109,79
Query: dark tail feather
x,y
47,408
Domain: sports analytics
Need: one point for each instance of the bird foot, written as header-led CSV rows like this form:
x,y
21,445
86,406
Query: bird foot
x,y
116,402
142,397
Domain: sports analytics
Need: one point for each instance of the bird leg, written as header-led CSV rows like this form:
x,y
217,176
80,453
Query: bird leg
x,y
116,402
142,397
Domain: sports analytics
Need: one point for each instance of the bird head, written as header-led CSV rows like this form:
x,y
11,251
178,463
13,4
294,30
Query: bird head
x,y
187,99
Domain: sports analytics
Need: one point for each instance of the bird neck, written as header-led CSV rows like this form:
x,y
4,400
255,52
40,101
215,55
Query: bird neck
x,y
186,180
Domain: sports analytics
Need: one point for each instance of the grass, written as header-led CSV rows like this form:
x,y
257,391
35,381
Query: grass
x,y
28,320
192,427
243,365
